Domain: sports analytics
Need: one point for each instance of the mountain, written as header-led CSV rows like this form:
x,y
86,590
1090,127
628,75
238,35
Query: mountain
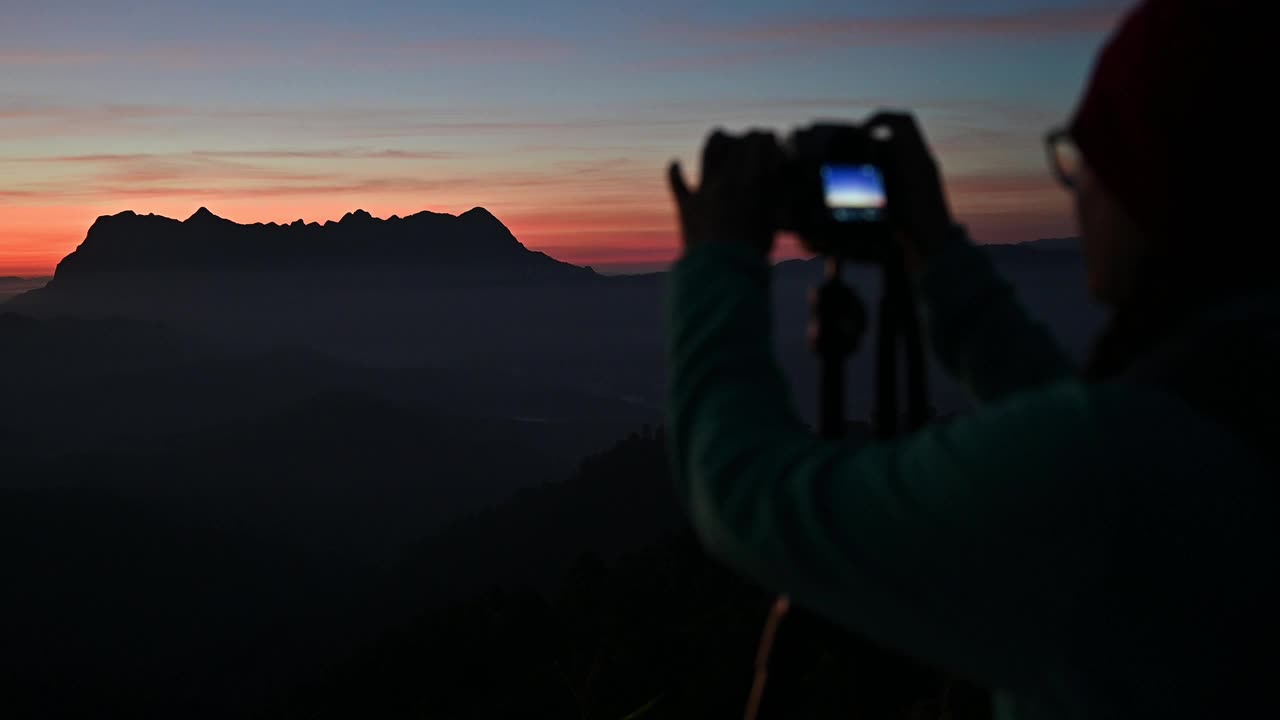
x,y
1062,244
590,597
428,289
340,474
1066,249
13,286
128,242
88,384
207,270
588,589
463,294
115,607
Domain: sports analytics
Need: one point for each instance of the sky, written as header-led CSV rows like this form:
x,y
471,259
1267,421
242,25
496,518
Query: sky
x,y
558,116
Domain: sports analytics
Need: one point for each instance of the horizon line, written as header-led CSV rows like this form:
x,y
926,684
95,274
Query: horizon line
x,y
645,265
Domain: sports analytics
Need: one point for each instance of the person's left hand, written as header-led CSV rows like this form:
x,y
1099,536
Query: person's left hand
x,y
735,202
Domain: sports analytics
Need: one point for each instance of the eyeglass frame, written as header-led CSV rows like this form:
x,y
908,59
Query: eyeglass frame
x,y
1051,141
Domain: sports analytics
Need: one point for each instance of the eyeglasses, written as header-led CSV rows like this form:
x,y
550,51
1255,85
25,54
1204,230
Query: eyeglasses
x,y
1064,157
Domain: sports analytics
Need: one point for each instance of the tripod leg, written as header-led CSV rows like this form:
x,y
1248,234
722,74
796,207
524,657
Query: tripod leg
x,y
886,411
838,323
909,327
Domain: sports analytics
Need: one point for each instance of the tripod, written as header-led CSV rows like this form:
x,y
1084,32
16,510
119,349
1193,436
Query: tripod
x,y
837,324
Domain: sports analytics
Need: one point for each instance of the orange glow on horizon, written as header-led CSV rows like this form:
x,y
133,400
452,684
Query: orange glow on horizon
x,y
611,232
35,239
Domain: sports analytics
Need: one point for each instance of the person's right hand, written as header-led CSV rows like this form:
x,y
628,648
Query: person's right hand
x,y
918,200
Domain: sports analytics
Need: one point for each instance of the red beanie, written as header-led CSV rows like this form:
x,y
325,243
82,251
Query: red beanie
x,y
1166,124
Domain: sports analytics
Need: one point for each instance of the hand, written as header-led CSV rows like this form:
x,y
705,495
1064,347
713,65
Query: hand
x,y
914,186
735,201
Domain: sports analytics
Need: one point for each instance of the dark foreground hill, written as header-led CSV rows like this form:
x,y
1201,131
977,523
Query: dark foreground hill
x,y
590,598
585,597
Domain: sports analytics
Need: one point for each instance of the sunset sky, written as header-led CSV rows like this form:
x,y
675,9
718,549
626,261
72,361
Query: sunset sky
x,y
557,116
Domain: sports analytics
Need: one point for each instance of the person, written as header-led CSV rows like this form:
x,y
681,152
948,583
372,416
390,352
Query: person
x,y
1092,542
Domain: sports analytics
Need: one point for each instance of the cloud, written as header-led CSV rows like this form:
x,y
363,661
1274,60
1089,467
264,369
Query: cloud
x,y
907,30
86,159
22,194
236,172
281,154
168,56
24,119
48,56
330,154
480,50
41,119
324,45
272,173
31,107
777,38
130,186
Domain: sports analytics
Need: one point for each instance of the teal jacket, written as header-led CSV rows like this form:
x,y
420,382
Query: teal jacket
x,y
1101,550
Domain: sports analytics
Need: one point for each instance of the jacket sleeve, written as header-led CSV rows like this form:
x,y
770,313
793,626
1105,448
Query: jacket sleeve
x,y
979,330
937,544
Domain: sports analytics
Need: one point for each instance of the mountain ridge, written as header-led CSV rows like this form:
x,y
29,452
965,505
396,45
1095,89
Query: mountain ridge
x,y
128,241
475,239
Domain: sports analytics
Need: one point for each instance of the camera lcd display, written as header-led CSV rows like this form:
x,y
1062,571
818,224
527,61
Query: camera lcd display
x,y
854,193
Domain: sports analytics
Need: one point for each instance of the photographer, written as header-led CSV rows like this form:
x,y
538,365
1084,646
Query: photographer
x,y
1091,543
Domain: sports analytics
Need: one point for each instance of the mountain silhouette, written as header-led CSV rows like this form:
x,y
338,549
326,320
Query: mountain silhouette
x,y
593,586
129,242
453,292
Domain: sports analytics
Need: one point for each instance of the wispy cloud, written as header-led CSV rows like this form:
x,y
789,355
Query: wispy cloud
x,y
898,29
85,159
318,154
374,132
44,109
41,119
482,50
173,57
48,56
332,45
727,44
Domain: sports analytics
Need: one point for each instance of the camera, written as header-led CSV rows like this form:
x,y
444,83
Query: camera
x,y
834,193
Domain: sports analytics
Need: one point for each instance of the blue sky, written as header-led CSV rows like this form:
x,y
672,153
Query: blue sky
x,y
557,116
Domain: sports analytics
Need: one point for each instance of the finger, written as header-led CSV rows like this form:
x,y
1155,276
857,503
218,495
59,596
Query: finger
x,y
679,188
683,197
716,154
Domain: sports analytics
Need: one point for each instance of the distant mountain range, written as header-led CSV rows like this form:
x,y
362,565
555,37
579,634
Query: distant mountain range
x,y
14,286
448,291
127,243
130,242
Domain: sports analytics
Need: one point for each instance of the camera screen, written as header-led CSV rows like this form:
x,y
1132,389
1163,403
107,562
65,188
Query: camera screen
x,y
854,193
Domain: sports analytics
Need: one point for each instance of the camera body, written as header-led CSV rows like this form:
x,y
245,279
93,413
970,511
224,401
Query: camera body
x,y
834,194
